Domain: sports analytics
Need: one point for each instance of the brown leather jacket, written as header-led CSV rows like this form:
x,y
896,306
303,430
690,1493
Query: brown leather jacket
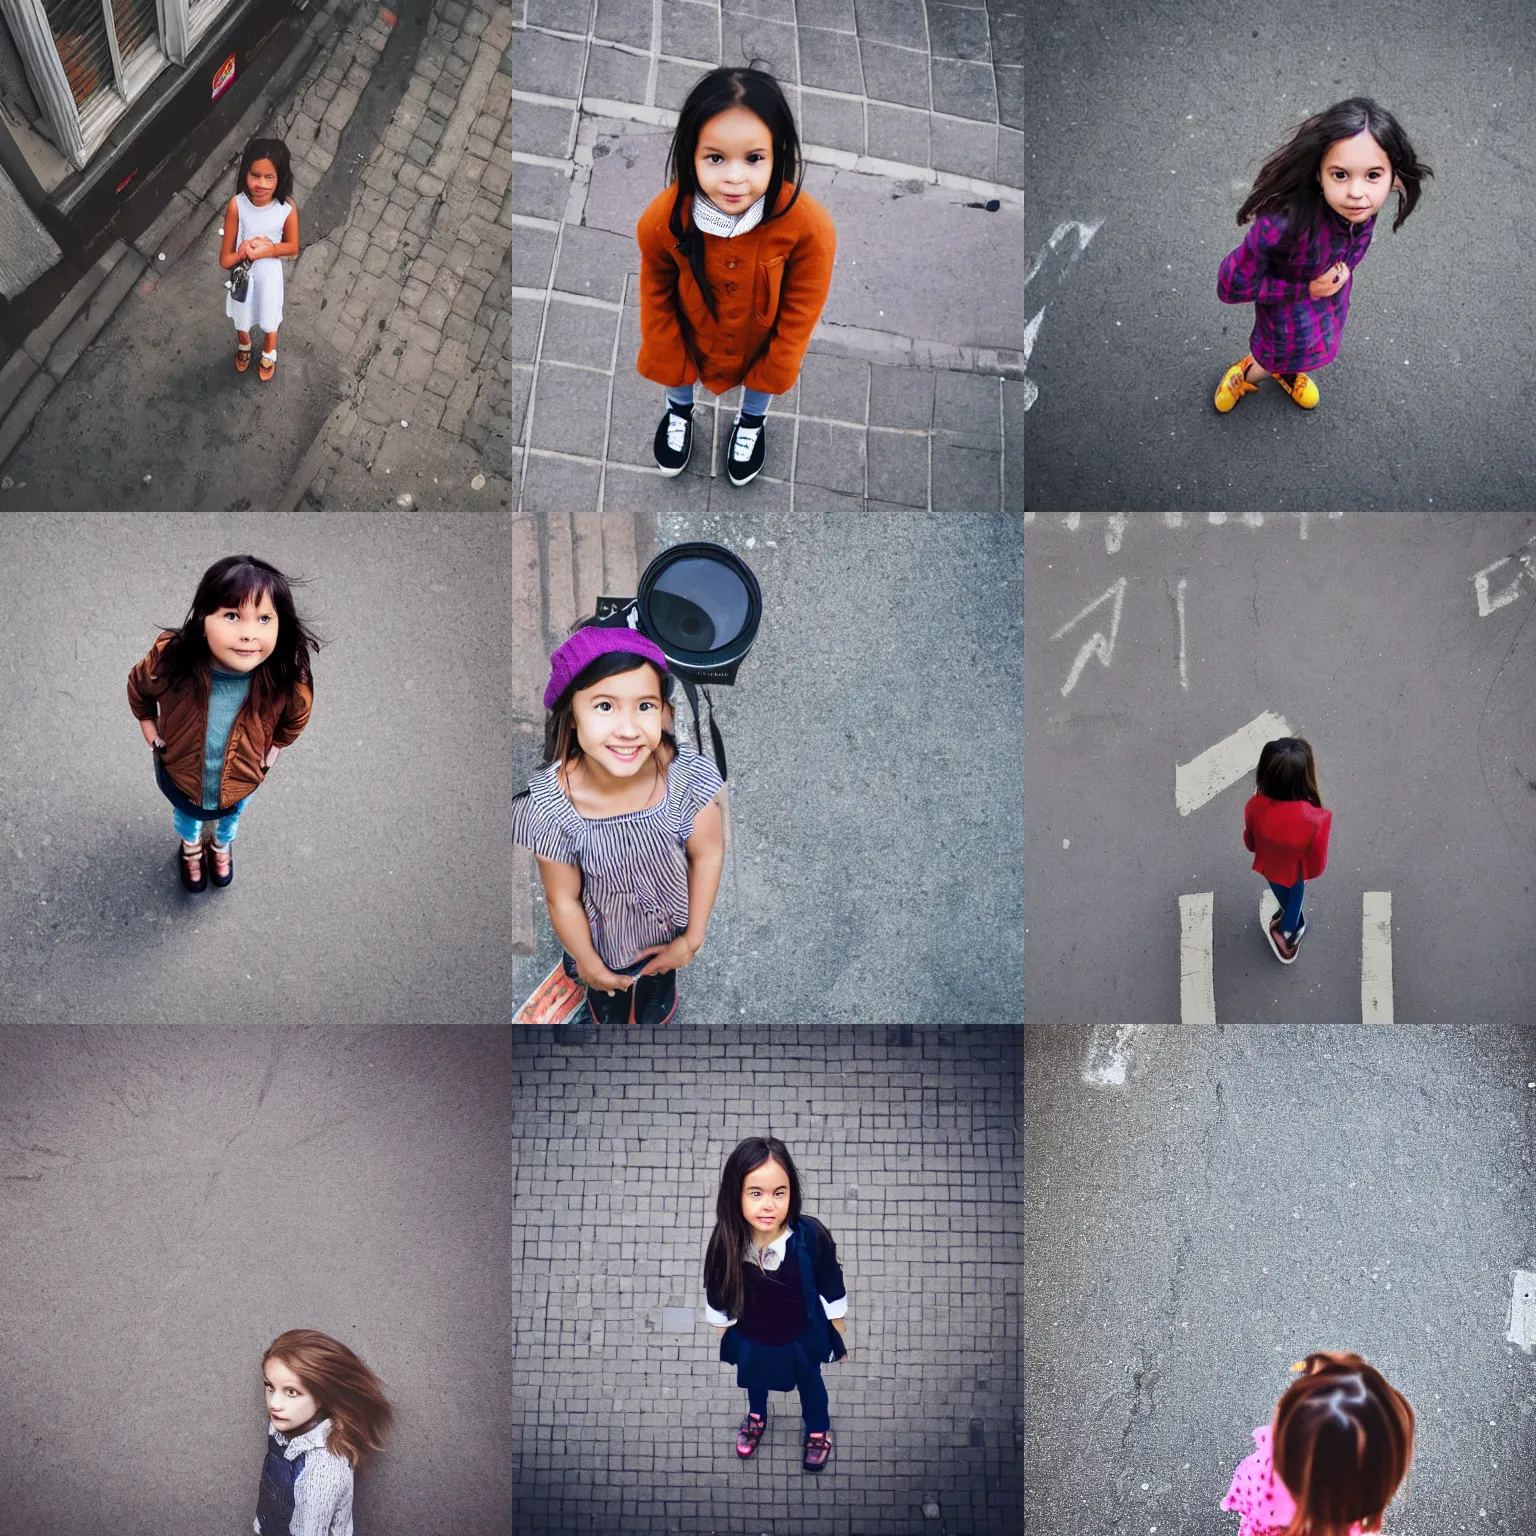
x,y
183,724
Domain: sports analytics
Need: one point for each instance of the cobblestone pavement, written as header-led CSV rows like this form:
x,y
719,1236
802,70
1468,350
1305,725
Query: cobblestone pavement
x,y
394,361
874,815
907,1144
911,118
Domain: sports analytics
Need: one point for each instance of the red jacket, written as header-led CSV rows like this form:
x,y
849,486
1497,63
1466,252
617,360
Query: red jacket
x,y
1289,838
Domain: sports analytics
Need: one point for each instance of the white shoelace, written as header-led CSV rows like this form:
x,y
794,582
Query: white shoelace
x,y
746,442
677,430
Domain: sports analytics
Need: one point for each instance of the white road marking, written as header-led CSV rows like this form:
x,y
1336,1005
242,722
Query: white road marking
x,y
1095,644
1114,532
1068,258
1197,987
1183,664
1172,519
1109,1054
1487,603
1376,957
1225,763
1522,1310
1073,519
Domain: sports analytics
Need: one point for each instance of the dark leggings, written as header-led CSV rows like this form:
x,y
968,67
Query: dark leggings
x,y
814,1408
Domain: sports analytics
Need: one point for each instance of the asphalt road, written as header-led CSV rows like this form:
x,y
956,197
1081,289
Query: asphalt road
x,y
1244,1196
172,1199
875,777
1364,634
1148,125
371,885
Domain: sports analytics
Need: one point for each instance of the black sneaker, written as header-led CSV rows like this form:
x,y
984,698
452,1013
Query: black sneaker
x,y
744,450
674,440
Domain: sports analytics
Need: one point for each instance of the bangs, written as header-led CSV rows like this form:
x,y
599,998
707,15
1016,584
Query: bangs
x,y
238,585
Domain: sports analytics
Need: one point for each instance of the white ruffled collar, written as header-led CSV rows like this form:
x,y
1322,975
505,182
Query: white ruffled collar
x,y
716,221
770,1255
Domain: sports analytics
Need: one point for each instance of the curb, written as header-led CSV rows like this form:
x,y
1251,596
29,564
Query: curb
x,y
44,359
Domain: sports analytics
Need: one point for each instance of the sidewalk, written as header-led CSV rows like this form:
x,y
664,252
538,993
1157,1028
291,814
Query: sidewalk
x,y
394,354
912,394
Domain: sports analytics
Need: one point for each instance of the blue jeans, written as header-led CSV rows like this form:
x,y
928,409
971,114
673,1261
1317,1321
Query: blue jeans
x,y
754,402
190,830
1289,897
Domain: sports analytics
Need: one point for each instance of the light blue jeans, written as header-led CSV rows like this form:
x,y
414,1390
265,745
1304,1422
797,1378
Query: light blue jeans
x,y
754,402
190,830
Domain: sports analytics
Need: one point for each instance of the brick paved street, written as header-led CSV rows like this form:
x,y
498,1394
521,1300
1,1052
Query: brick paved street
x,y
912,393
875,822
394,361
908,1149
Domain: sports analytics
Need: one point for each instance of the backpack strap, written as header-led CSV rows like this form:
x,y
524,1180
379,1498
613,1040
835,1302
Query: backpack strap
x,y
691,693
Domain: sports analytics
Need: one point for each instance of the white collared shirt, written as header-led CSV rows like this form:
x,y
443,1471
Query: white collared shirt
x,y
768,1258
322,1493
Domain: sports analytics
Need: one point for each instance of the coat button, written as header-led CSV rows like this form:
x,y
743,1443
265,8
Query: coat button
x,y
731,265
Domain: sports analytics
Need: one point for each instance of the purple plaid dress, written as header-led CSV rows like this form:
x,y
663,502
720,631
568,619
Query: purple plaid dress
x,y
1271,270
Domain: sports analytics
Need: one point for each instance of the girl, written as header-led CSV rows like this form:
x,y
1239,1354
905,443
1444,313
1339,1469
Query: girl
x,y
1316,201
773,1287
735,264
1286,829
218,699
1334,1456
326,1414
261,226
626,828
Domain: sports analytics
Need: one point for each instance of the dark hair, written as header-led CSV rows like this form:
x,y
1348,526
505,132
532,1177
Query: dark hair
x,y
230,583
723,1274
560,743
275,151
717,92
1288,181
344,1389
1288,771
1343,1439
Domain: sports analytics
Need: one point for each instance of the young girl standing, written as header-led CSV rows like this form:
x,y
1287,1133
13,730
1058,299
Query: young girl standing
x,y
1337,1451
326,1414
626,827
1314,207
218,699
1286,829
773,1287
261,226
735,264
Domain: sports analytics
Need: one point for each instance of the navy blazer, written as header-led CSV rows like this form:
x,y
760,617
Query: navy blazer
x,y
820,1276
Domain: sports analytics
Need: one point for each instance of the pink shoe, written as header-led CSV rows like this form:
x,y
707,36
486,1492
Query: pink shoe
x,y
818,1450
749,1434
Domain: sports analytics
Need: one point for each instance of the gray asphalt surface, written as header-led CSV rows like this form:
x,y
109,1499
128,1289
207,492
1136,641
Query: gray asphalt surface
x,y
875,777
1152,121
907,1146
1246,1196
370,886
1366,637
172,1199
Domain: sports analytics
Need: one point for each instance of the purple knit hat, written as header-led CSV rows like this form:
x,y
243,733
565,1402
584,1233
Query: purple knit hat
x,y
586,645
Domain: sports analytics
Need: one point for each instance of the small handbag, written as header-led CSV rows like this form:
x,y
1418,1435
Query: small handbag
x,y
239,282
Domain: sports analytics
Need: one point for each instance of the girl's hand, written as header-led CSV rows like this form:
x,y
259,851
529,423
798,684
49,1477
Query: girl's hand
x,y
271,757
1330,282
668,957
151,734
601,979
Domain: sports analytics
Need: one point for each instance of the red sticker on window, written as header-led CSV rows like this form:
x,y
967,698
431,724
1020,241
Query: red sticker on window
x,y
222,77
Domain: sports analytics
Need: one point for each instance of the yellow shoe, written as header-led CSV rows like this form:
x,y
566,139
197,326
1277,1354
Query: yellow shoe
x,y
1299,387
1234,385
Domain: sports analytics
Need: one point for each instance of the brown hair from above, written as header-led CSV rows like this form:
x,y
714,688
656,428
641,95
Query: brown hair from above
x,y
1343,1439
347,1392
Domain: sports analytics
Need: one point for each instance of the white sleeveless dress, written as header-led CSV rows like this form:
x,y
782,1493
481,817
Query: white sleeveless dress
x,y
263,306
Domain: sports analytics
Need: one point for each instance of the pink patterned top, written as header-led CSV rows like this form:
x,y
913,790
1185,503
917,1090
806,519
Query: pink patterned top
x,y
1258,1495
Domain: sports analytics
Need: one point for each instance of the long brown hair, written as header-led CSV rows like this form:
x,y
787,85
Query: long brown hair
x,y
1288,771
725,1255
346,1391
1343,1441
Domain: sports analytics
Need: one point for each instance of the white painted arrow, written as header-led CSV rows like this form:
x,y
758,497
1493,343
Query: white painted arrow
x,y
1207,775
1096,644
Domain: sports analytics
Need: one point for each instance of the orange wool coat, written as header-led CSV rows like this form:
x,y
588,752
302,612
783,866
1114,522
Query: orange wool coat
x,y
770,285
